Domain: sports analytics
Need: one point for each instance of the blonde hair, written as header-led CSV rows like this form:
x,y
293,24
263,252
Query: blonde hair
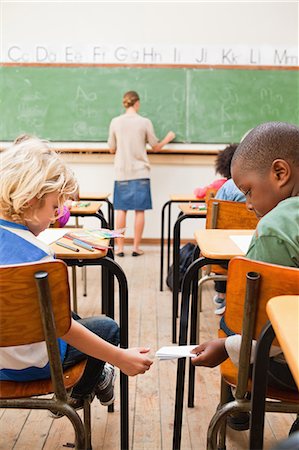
x,y
30,169
130,98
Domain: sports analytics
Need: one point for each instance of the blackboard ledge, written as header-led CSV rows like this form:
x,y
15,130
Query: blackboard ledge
x,y
101,148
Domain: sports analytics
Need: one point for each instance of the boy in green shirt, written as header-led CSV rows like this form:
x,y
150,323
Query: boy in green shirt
x,y
265,167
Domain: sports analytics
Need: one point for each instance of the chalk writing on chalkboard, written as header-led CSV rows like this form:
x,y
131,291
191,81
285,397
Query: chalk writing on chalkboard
x,y
200,105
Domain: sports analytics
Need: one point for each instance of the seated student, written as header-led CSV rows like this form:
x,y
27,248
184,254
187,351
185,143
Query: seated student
x,y
226,190
265,168
34,183
222,166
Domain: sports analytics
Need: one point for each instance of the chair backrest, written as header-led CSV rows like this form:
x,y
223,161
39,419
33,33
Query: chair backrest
x,y
274,280
250,285
20,313
224,214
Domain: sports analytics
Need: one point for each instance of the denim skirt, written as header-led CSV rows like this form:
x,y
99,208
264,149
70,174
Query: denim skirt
x,y
132,194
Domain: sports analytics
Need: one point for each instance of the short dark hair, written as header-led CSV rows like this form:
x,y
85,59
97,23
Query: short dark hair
x,y
266,143
223,160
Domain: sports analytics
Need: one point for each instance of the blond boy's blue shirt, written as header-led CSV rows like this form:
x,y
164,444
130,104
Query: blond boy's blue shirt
x,y
276,239
24,362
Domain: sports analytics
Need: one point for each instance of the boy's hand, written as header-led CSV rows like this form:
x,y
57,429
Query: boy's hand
x,y
210,353
134,361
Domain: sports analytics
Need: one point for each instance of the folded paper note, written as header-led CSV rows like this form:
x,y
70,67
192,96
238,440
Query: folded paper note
x,y
177,351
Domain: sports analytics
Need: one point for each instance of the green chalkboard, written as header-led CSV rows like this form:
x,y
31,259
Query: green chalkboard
x,y
200,105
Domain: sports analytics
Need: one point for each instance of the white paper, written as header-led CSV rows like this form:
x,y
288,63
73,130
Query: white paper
x,y
177,351
242,241
51,235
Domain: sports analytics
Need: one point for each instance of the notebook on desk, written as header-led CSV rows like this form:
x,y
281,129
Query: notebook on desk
x,y
242,241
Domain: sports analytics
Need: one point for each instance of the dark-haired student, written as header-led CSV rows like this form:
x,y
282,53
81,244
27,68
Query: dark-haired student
x,y
265,167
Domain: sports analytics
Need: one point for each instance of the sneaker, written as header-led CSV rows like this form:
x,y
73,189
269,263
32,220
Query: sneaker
x,y
221,309
239,421
105,389
218,300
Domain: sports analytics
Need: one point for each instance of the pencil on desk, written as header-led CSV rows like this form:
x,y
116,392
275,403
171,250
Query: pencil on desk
x,y
83,245
69,247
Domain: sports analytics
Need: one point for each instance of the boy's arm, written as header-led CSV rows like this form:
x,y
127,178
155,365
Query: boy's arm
x,y
130,361
212,353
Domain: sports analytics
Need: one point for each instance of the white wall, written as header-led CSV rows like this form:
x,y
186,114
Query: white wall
x,y
165,180
193,23
60,24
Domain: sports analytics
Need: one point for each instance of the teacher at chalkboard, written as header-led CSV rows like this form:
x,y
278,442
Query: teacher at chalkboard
x,y
128,135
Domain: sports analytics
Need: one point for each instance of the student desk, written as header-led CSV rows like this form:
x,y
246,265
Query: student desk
x,y
186,213
173,199
92,209
102,258
66,254
283,312
104,197
216,247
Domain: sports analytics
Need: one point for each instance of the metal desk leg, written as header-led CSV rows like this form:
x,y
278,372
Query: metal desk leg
x,y
179,397
110,265
74,286
162,243
110,214
168,235
259,387
100,216
124,338
108,289
186,288
193,333
176,281
84,276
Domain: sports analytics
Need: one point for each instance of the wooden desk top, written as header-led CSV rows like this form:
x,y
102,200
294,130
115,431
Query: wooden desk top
x,y
90,208
94,195
183,197
187,209
216,243
65,253
283,312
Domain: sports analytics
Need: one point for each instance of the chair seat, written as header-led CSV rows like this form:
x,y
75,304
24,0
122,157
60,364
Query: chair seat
x,y
15,389
218,270
229,372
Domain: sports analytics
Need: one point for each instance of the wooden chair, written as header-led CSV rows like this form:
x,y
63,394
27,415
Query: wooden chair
x,y
34,307
228,215
250,285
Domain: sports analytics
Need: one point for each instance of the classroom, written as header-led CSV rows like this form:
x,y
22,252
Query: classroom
x,y
203,74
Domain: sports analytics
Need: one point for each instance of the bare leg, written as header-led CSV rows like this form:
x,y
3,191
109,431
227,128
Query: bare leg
x,y
120,223
138,230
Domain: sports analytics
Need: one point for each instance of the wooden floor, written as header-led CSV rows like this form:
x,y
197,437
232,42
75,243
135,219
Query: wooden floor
x,y
152,394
